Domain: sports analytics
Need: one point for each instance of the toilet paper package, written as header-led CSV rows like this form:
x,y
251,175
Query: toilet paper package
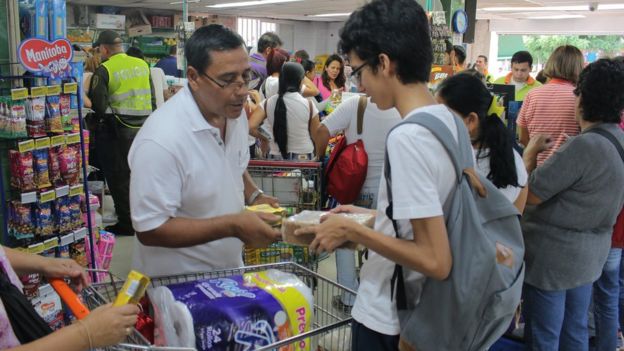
x,y
235,313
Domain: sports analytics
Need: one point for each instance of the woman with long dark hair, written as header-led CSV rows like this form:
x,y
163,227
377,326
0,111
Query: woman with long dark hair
x,y
333,77
289,116
496,158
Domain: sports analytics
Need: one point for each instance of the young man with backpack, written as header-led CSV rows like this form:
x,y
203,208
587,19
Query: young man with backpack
x,y
410,229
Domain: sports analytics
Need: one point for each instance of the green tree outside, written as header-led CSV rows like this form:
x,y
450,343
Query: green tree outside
x,y
541,46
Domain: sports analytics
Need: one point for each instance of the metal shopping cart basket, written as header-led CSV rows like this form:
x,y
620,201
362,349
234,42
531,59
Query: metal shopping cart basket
x,y
297,186
330,328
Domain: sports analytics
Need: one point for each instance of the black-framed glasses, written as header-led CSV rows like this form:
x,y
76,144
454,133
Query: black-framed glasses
x,y
356,75
234,84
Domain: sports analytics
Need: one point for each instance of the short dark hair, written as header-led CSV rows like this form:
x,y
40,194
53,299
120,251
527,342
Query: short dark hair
x,y
601,91
173,50
460,54
268,40
214,37
302,55
397,28
522,56
135,52
485,58
308,65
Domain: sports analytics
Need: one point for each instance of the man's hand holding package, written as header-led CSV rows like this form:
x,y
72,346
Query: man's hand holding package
x,y
253,230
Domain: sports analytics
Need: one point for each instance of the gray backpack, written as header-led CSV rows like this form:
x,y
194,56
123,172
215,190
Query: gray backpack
x,y
474,306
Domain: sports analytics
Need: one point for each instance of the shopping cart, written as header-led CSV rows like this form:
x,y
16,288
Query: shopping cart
x,y
297,186
330,328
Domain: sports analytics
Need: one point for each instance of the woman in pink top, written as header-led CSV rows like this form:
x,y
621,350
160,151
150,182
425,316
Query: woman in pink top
x,y
104,326
550,109
333,76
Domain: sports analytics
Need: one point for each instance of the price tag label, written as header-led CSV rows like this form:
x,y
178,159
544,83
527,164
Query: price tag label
x,y
38,91
36,248
51,243
47,196
73,138
42,143
70,88
76,190
19,94
80,234
28,198
53,90
67,239
58,140
26,145
62,191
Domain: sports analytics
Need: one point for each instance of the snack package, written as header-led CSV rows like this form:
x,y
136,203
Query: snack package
x,y
17,120
21,224
78,252
75,212
308,218
54,166
44,219
49,307
22,171
31,283
35,118
42,175
69,162
65,106
53,114
265,208
63,215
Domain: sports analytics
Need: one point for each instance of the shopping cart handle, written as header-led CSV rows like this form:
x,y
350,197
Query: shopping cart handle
x,y
289,164
69,297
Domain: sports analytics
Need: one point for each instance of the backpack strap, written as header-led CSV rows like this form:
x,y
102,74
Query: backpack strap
x,y
360,113
611,138
460,153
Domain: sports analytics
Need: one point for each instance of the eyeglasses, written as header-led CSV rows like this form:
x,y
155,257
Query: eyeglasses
x,y
356,75
234,84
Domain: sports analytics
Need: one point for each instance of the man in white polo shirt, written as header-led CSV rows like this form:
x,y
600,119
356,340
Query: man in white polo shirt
x,y
189,183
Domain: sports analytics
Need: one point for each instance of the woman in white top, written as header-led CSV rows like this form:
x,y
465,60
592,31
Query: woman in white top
x,y
496,158
290,118
375,127
270,87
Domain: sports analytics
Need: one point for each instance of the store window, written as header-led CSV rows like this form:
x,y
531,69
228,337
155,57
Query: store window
x,y
251,29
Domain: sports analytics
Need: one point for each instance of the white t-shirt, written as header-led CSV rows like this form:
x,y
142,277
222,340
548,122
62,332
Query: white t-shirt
x,y
160,83
422,179
375,128
271,87
298,117
510,192
180,167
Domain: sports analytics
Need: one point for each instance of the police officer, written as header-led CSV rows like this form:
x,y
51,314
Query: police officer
x,y
123,97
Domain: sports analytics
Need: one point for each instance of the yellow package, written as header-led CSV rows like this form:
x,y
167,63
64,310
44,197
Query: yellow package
x,y
265,208
296,300
133,289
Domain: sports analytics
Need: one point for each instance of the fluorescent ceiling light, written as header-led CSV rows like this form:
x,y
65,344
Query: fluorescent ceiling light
x,y
343,14
249,3
182,2
557,17
552,8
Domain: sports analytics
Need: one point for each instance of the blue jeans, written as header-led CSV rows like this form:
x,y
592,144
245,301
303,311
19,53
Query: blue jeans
x,y
346,274
606,298
556,320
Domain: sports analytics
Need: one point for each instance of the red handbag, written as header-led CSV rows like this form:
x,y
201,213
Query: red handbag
x,y
348,164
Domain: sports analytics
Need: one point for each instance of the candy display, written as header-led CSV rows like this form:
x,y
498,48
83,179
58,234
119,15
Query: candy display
x,y
35,117
53,114
44,219
42,175
22,171
65,107
69,163
54,166
21,223
238,312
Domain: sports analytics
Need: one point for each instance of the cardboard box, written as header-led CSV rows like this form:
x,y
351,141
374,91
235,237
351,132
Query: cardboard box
x,y
104,21
139,30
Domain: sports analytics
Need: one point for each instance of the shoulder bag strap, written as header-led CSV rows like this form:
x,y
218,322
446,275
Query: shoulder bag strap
x,y
611,138
360,114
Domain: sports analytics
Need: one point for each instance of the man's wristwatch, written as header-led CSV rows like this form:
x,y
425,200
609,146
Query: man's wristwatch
x,y
254,196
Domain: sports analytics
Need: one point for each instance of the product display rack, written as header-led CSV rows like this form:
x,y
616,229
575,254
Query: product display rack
x,y
69,87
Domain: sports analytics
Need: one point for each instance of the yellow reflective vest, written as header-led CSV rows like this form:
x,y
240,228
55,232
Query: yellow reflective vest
x,y
129,90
